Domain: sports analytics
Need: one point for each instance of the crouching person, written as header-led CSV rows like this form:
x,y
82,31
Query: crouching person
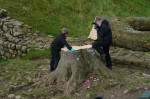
x,y
105,40
58,43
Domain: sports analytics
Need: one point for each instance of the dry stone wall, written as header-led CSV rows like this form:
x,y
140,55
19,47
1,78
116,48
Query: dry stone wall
x,y
16,38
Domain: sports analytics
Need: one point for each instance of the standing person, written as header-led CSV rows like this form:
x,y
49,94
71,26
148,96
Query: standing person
x,y
105,40
58,43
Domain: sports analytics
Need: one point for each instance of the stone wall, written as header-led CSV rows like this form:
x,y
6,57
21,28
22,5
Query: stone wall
x,y
16,37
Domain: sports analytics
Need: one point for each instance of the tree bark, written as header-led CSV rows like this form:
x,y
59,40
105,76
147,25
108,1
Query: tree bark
x,y
74,67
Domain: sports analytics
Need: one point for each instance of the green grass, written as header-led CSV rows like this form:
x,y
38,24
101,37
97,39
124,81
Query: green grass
x,y
147,53
18,71
49,16
35,54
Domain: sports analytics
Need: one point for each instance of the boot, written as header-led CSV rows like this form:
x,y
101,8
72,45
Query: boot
x,y
101,56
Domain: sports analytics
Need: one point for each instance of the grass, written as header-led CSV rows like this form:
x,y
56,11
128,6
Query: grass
x,y
17,72
49,16
35,54
147,53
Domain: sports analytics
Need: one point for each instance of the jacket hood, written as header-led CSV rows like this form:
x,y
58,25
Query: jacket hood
x,y
105,23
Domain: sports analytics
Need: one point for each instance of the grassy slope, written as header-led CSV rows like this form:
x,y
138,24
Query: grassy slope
x,y
49,16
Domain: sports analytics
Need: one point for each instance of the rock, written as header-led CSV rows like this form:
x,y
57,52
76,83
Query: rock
x,y
28,50
24,48
6,50
17,23
13,46
112,96
8,55
9,45
1,41
19,53
146,75
2,52
18,97
126,91
11,95
5,44
1,47
39,39
33,42
13,56
23,55
16,34
8,36
16,40
5,28
18,31
15,52
29,78
50,36
18,47
47,46
3,13
41,47
27,26
87,95
30,90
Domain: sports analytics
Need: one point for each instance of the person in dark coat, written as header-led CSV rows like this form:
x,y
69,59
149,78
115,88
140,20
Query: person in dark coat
x,y
105,40
58,43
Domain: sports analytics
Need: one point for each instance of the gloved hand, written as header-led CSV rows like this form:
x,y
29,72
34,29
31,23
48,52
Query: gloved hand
x,y
73,50
95,26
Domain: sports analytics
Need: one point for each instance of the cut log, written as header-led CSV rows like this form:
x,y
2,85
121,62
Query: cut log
x,y
74,67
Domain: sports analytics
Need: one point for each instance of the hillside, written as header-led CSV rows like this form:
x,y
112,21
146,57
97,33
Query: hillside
x,y
49,16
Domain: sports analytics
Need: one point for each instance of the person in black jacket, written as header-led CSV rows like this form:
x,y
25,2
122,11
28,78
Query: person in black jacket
x,y
105,40
58,43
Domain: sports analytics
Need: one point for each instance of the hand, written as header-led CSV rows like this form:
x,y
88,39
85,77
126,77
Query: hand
x,y
73,50
95,25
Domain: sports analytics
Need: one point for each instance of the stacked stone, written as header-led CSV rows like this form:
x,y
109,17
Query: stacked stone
x,y
16,38
11,32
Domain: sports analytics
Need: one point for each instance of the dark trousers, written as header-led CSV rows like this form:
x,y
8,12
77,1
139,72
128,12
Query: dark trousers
x,y
103,48
55,57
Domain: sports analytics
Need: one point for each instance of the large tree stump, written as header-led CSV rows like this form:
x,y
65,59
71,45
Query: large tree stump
x,y
74,67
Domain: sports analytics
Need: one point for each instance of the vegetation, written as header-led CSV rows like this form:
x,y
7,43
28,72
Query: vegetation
x,y
49,16
35,54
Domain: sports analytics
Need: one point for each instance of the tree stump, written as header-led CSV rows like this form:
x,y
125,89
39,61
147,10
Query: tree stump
x,y
74,67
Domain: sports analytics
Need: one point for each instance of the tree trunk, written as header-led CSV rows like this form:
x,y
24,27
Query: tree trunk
x,y
74,67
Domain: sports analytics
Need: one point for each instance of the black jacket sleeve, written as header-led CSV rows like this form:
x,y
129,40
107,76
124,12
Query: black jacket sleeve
x,y
66,44
102,33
